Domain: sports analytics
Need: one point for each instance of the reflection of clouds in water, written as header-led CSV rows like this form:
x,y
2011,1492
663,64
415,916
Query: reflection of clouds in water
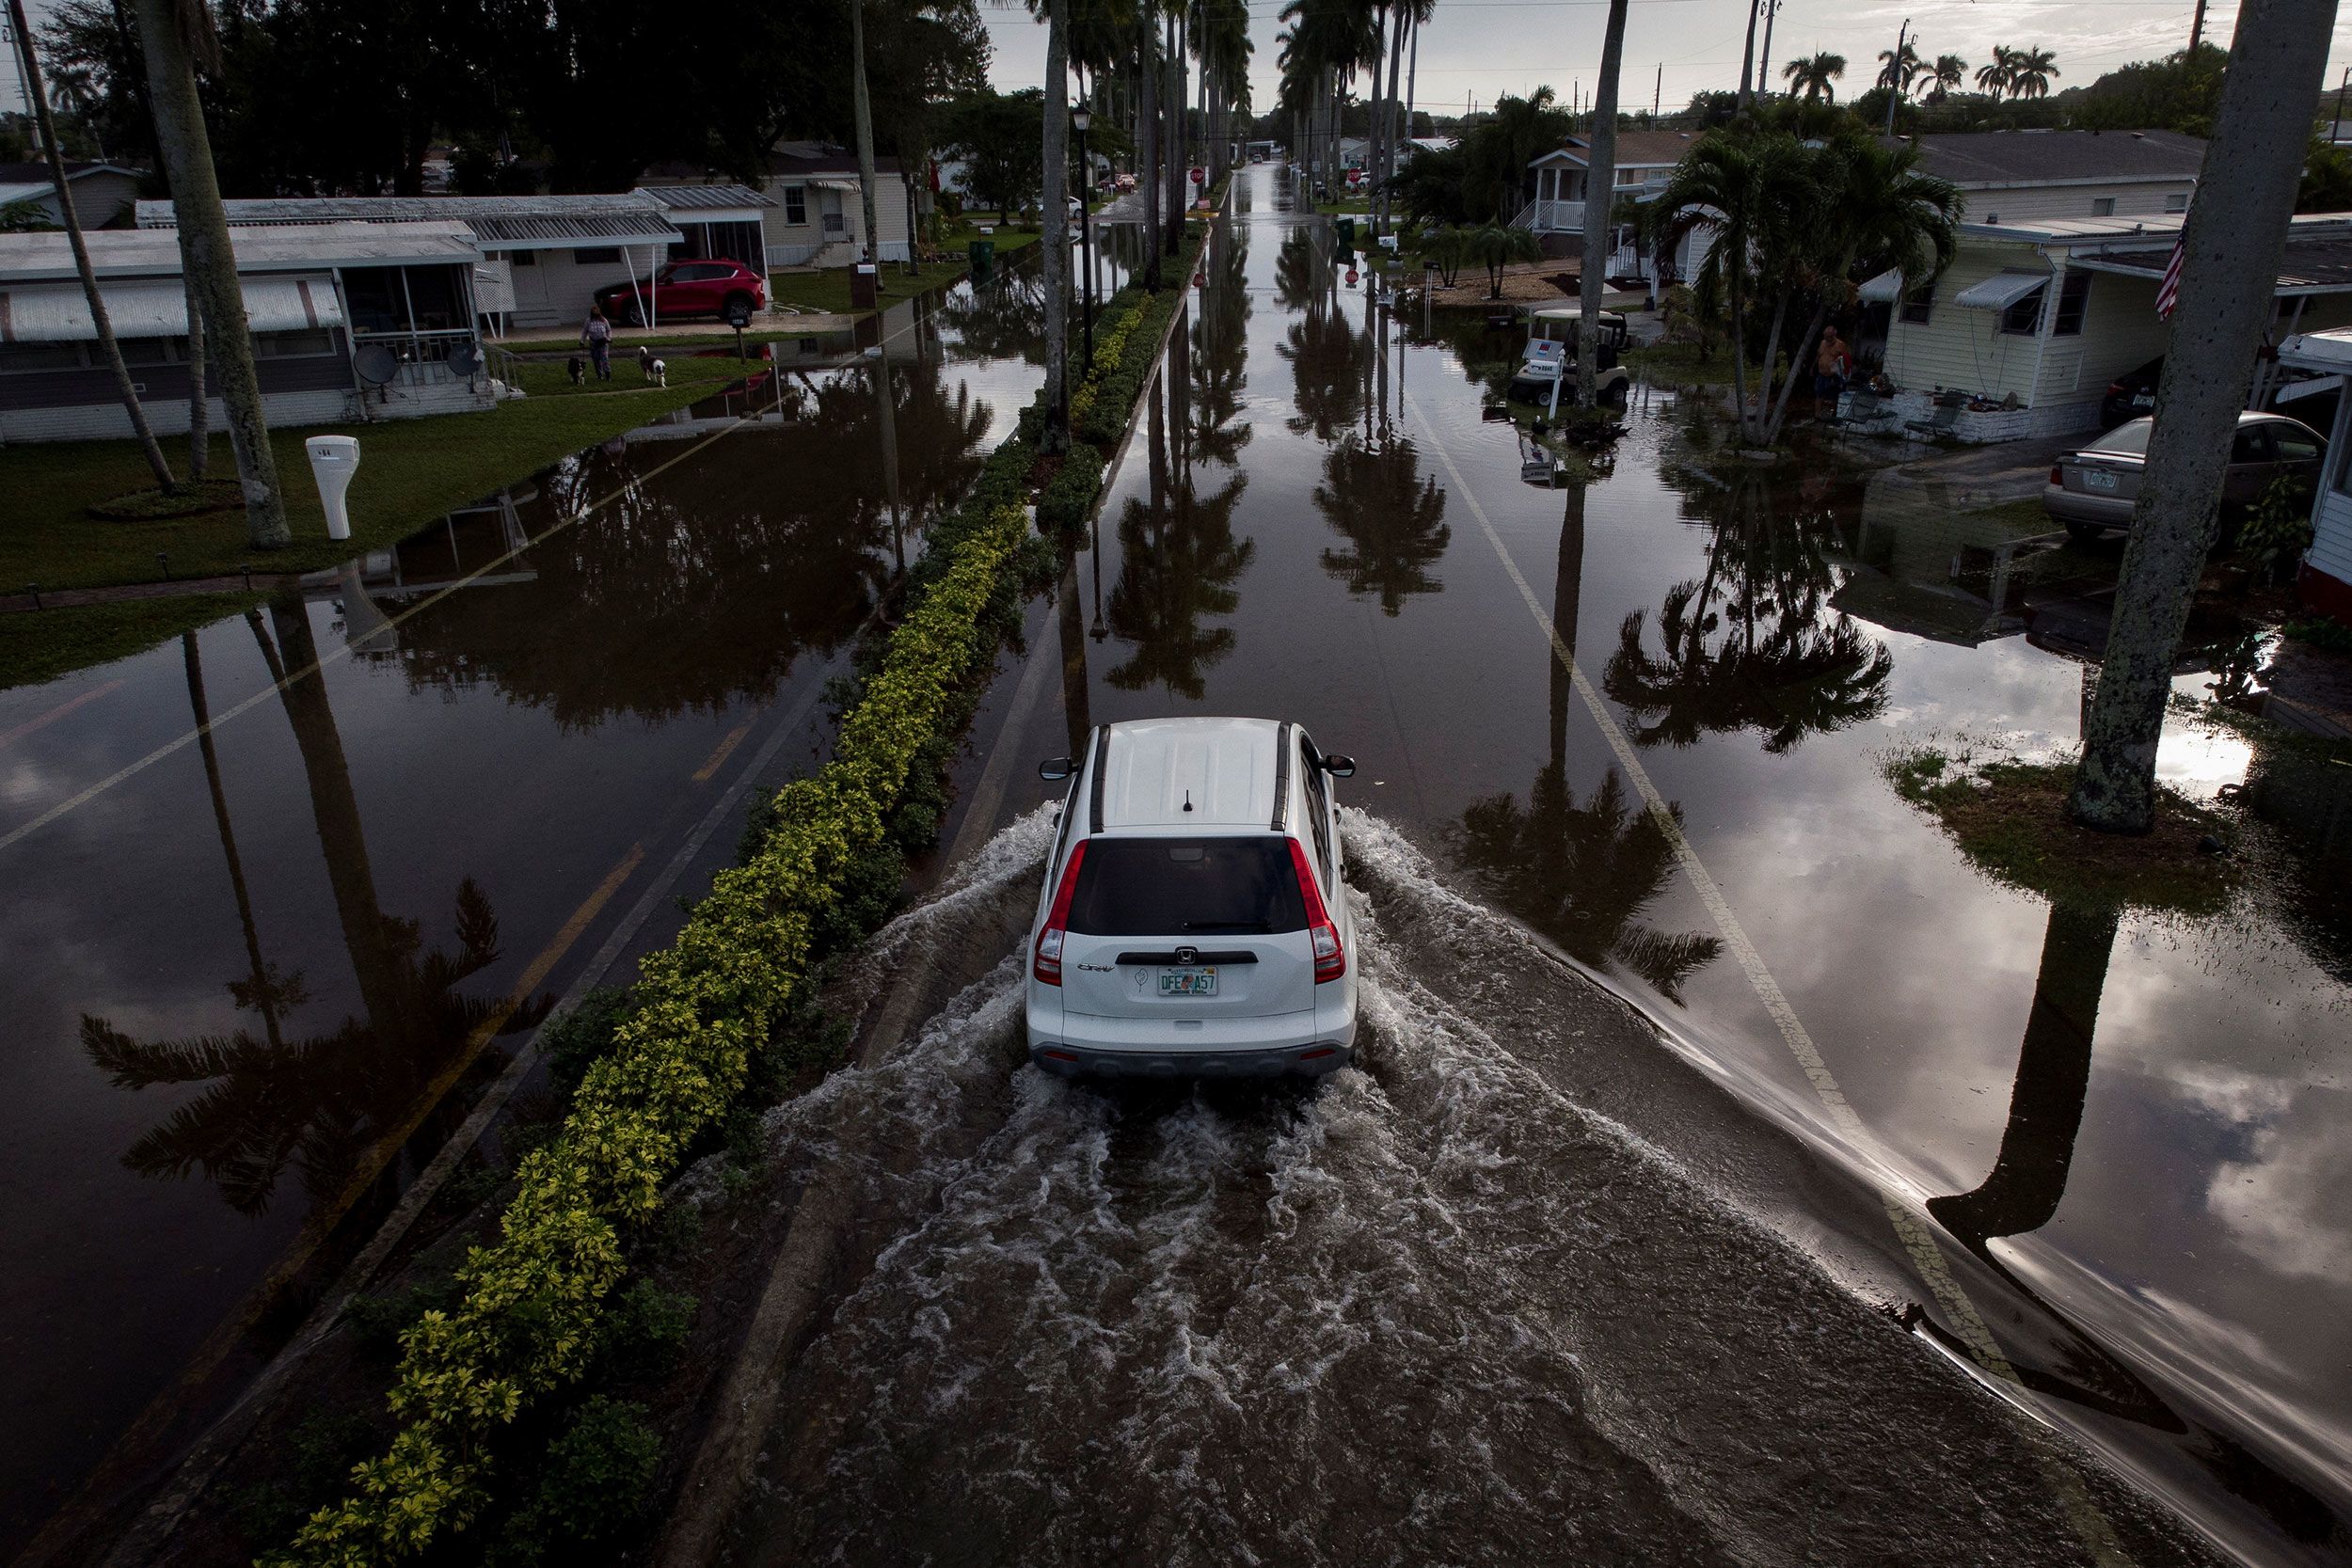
x,y
2196,762
2289,1201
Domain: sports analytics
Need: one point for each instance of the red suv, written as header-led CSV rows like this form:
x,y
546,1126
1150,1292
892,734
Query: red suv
x,y
704,288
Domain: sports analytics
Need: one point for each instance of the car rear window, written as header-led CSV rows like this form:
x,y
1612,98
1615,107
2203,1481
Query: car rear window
x,y
1171,887
2132,438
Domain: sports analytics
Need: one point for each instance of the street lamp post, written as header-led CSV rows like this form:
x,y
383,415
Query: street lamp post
x,y
1080,118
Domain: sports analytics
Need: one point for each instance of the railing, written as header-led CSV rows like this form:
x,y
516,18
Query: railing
x,y
424,355
1551,217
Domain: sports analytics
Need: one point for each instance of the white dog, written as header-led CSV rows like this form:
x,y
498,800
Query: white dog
x,y
656,372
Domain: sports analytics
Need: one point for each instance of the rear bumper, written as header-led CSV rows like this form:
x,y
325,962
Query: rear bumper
x,y
2072,506
1307,1043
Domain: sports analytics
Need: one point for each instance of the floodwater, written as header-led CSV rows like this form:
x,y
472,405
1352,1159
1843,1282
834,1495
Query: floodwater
x,y
1528,1287
255,982
1466,1304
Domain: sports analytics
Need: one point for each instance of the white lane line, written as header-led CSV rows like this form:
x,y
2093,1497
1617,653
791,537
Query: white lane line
x,y
1921,1246
9,839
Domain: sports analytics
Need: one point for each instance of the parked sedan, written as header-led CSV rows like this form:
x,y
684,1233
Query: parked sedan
x,y
2093,490
2132,395
704,288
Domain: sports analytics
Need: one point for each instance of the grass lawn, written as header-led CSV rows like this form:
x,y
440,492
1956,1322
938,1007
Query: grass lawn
x,y
1682,365
543,379
41,645
410,473
829,290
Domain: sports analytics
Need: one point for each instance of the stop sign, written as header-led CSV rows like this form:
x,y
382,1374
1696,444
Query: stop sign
x,y
1200,176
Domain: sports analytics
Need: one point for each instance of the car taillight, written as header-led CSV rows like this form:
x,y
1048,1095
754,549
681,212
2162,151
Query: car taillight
x,y
1045,963
2058,474
2116,388
1330,958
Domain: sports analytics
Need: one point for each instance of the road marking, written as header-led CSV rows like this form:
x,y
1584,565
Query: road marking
x,y
2098,1535
734,738
61,710
14,835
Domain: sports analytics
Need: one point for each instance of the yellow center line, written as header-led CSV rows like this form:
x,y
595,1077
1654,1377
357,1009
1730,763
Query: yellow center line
x,y
726,747
1925,1253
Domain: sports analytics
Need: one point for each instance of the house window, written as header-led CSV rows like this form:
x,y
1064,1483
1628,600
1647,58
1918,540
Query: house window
x,y
596,255
796,204
2073,299
2024,319
294,345
2176,202
2103,206
1919,304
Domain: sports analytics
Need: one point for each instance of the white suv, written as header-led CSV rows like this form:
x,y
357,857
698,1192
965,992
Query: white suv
x,y
1194,921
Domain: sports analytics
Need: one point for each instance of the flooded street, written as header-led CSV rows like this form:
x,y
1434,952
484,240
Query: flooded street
x,y
1526,1287
256,979
2125,1125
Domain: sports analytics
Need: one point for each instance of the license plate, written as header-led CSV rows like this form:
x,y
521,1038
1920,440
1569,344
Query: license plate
x,y
2143,400
1187,982
2094,480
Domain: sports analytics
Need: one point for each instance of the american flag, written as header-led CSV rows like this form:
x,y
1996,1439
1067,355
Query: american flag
x,y
2169,292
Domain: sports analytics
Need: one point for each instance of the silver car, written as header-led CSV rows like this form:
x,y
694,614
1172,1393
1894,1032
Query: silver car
x,y
2093,490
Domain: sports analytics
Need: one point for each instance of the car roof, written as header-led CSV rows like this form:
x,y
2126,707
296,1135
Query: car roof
x,y
2244,417
1224,768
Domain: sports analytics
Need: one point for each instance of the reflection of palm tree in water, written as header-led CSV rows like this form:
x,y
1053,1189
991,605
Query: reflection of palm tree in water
x,y
1178,562
1776,668
1320,347
2046,1108
1582,872
314,1102
1390,512
1220,355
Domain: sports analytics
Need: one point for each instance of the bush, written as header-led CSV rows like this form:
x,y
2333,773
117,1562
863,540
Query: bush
x,y
596,1485
2277,529
575,1041
1067,498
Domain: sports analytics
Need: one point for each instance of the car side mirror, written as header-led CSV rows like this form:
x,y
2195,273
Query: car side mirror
x,y
1339,766
1055,769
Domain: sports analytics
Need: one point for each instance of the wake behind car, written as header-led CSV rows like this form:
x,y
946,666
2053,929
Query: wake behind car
x,y
704,288
2094,489
1194,917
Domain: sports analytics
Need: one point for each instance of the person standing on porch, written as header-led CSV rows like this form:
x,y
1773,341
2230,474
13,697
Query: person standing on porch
x,y
598,337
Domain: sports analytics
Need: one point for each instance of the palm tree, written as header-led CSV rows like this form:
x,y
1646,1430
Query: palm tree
x,y
1898,69
173,34
1748,192
1873,211
2230,250
1497,245
1056,235
2029,73
1994,75
107,347
1949,71
1601,185
1816,76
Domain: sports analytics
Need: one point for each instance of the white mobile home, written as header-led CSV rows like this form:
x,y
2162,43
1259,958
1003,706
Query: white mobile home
x,y
350,320
2324,580
103,193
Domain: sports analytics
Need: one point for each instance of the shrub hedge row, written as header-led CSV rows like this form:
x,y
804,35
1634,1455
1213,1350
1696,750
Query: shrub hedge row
x,y
526,1323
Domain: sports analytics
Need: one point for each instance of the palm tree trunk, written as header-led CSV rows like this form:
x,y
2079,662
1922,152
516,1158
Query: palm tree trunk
x,y
1056,236
863,111
199,398
1601,185
1747,61
1147,182
2230,251
1172,235
108,349
166,31
1753,427
1396,61
1797,357
1375,131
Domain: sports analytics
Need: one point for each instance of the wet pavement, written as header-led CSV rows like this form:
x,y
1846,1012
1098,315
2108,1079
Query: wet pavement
x,y
1524,1289
2126,1125
256,979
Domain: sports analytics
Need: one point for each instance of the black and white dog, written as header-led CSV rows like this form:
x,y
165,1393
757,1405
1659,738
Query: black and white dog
x,y
655,370
579,368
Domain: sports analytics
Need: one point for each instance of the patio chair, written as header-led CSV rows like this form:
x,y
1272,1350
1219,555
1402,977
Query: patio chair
x,y
1947,414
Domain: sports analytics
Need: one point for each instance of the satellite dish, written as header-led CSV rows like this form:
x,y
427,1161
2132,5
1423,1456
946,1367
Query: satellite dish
x,y
376,364
464,360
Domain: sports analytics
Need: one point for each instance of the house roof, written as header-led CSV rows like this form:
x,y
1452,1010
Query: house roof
x,y
1635,148
38,173
499,222
686,197
2313,262
791,160
1998,160
287,247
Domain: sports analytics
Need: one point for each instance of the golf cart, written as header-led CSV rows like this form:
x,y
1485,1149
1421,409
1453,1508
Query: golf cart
x,y
1551,354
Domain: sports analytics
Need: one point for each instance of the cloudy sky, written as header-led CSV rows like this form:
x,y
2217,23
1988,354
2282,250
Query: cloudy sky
x,y
1484,47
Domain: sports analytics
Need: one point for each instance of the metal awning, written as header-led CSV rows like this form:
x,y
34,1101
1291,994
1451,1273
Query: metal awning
x,y
833,182
2002,290
2311,263
716,215
153,307
1885,289
2329,351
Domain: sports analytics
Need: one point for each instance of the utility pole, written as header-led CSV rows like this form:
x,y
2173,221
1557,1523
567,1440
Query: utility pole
x,y
2196,27
1894,88
1764,65
1658,93
863,107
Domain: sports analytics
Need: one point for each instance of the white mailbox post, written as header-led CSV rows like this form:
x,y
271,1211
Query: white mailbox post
x,y
333,460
